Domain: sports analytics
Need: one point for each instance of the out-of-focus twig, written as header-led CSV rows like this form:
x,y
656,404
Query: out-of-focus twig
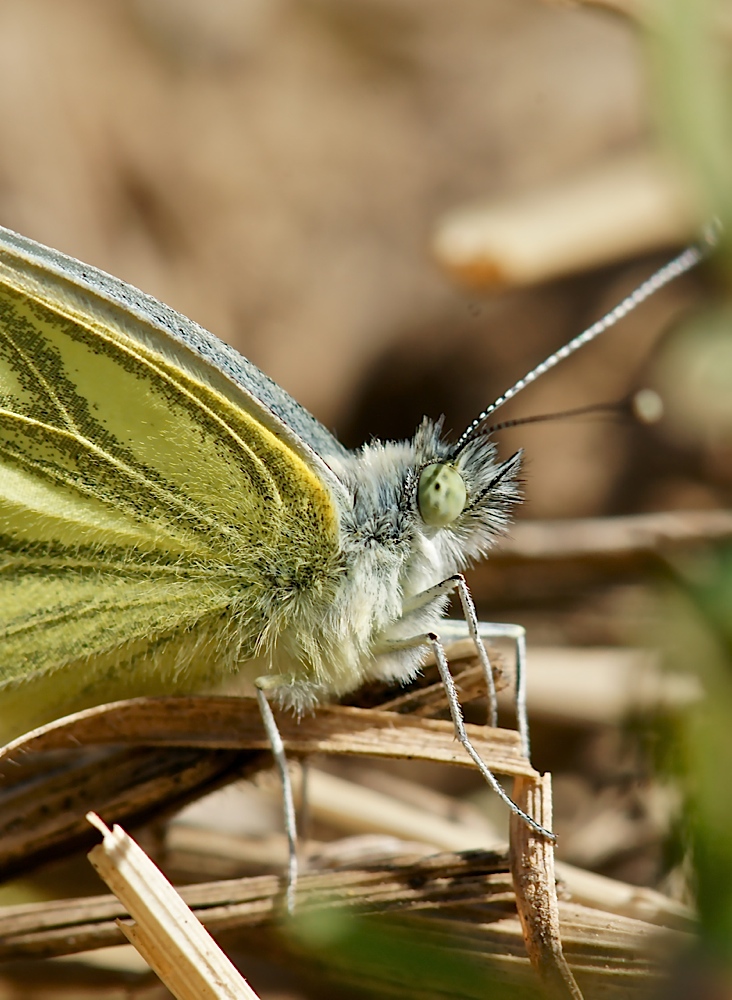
x,y
616,536
602,686
637,10
617,210
547,560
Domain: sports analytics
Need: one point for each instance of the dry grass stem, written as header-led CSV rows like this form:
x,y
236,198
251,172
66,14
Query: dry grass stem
x,y
355,809
463,901
532,865
352,808
628,536
101,759
144,758
166,933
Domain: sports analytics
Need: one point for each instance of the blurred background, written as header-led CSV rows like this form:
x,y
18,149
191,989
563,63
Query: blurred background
x,y
397,208
281,172
288,173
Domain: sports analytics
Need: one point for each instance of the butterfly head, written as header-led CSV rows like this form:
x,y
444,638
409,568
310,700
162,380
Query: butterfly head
x,y
463,494
427,498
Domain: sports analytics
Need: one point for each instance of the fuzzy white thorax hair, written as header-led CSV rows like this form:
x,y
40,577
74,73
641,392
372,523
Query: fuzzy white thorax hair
x,y
389,554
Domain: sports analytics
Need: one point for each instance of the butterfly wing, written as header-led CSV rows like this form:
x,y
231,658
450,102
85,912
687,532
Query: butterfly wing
x,y
77,638
152,508
114,303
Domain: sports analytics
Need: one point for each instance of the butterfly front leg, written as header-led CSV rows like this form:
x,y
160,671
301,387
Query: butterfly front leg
x,y
451,629
457,582
478,631
456,713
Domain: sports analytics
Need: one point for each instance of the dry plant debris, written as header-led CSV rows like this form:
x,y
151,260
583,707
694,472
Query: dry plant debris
x,y
464,900
165,931
125,760
532,866
101,759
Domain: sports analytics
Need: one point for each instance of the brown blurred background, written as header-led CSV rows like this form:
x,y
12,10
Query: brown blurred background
x,y
277,169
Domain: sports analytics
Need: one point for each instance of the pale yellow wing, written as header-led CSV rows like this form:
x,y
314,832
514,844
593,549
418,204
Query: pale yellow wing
x,y
103,637
141,509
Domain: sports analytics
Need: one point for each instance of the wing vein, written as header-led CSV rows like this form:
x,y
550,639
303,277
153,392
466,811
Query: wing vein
x,y
192,515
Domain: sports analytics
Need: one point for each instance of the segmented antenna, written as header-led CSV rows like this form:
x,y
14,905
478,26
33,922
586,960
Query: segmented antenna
x,y
668,273
617,406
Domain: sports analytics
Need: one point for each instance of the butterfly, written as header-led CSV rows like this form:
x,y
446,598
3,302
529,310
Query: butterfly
x,y
170,515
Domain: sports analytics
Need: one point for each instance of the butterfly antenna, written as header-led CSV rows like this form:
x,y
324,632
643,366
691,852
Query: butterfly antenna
x,y
618,407
645,406
685,261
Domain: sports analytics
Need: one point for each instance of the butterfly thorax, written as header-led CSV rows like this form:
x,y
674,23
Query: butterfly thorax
x,y
389,556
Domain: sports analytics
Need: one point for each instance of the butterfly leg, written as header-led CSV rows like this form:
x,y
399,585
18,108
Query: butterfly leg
x,y
452,629
456,713
501,630
479,631
288,800
457,582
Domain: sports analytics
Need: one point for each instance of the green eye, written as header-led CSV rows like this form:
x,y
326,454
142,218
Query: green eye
x,y
441,495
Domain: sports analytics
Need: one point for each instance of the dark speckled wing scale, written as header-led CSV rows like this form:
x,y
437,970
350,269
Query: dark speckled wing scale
x,y
151,479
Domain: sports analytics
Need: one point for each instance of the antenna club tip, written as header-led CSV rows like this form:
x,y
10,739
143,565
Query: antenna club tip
x,y
712,232
647,406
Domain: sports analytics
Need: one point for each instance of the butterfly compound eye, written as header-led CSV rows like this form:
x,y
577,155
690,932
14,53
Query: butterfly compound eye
x,y
441,495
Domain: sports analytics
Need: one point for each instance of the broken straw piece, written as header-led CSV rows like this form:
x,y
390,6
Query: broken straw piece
x,y
170,938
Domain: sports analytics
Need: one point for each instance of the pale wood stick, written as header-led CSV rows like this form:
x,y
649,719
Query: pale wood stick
x,y
166,933
632,205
